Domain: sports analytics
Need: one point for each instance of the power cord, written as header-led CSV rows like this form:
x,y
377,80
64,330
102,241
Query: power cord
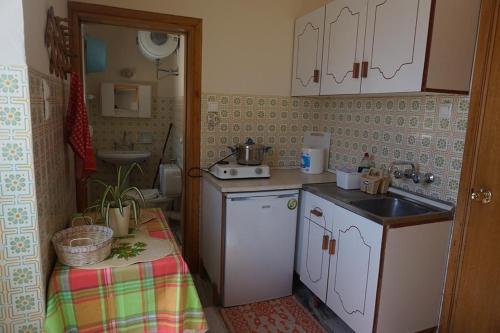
x,y
189,173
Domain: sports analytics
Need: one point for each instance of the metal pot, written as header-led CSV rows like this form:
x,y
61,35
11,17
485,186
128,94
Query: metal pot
x,y
249,153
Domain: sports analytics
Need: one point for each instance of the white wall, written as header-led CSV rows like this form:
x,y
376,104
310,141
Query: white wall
x,y
12,33
35,17
247,44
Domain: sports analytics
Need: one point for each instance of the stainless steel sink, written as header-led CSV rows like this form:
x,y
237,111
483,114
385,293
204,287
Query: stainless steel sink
x,y
391,207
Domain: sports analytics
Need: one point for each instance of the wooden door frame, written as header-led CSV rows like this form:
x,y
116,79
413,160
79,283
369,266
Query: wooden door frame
x,y
191,28
482,67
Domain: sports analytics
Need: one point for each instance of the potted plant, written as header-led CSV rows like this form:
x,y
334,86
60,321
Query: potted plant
x,y
118,199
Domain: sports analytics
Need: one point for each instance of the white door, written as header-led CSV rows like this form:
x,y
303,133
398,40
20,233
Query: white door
x,y
259,246
354,266
396,42
345,22
307,52
315,258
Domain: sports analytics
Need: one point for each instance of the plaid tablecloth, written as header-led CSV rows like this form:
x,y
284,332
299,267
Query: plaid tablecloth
x,y
157,296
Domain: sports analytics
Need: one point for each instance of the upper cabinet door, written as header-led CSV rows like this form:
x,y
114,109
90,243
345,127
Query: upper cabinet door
x,y
354,267
345,22
395,45
307,52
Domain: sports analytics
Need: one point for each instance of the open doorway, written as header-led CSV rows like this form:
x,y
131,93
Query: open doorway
x,y
136,107
117,99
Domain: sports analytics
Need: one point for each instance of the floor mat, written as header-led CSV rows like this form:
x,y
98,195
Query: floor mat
x,y
279,315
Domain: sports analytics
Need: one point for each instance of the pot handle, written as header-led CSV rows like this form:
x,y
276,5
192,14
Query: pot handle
x,y
233,149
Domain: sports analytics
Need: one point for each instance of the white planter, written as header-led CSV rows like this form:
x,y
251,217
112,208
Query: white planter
x,y
118,222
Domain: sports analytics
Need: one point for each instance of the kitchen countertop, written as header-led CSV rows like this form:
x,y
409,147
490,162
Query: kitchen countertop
x,y
343,198
281,179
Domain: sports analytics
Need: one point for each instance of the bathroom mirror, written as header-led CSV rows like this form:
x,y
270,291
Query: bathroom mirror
x,y
126,97
126,100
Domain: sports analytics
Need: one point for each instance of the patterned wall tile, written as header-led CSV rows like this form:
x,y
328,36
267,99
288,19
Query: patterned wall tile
x,y
21,280
408,128
390,128
53,162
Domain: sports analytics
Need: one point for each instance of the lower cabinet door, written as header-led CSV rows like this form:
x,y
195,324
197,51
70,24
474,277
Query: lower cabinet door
x,y
354,267
315,258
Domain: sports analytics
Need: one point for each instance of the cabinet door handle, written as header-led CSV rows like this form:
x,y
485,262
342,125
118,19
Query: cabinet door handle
x,y
324,246
316,212
355,70
316,76
364,69
333,243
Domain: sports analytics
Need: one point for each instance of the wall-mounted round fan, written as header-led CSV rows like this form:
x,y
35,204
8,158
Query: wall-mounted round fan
x,y
157,45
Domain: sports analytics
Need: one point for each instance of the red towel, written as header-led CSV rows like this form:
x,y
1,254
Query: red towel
x,y
77,125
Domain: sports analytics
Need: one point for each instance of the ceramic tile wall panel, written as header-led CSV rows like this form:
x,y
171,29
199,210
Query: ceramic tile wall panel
x,y
109,130
400,128
276,121
21,280
53,162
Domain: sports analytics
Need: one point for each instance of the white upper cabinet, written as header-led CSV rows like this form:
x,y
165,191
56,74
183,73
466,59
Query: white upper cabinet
x,y
343,47
385,46
396,42
308,49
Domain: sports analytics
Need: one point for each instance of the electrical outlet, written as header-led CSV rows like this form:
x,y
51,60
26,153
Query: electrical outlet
x,y
213,107
445,110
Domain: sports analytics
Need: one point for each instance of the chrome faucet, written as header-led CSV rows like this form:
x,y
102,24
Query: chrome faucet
x,y
412,173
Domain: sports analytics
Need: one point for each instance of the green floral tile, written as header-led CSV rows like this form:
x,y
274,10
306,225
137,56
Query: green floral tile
x,y
461,124
10,84
24,303
426,140
453,185
11,117
428,123
458,146
444,123
442,144
402,105
439,162
415,105
413,122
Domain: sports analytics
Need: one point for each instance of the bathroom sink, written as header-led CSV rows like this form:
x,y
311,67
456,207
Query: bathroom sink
x,y
391,207
121,157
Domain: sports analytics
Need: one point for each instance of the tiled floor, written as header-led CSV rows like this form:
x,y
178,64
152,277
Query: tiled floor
x,y
319,310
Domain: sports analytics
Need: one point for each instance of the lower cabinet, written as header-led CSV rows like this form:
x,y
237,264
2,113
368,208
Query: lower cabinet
x,y
352,282
343,267
315,257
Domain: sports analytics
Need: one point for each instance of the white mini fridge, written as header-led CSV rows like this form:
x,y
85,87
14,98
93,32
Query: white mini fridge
x,y
258,246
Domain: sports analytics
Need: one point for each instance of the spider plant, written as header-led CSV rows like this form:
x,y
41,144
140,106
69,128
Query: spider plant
x,y
119,195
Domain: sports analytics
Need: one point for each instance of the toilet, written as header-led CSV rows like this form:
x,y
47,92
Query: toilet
x,y
169,190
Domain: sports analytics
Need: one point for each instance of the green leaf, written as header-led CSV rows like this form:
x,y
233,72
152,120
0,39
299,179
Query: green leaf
x,y
119,176
134,207
104,202
107,215
120,206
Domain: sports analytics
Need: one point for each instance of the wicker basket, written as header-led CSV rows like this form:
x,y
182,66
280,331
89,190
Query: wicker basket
x,y
83,245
